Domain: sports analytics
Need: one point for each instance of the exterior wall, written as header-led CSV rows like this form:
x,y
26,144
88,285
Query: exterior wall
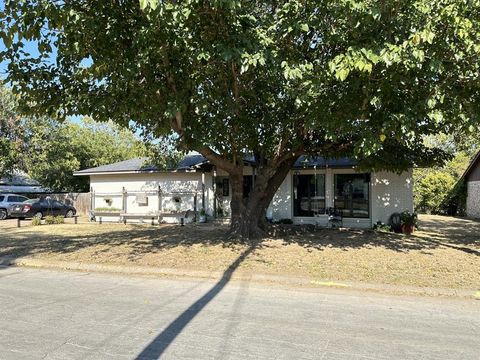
x,y
473,199
475,172
110,187
390,193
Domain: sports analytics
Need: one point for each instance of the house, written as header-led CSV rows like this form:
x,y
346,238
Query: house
x,y
472,178
312,187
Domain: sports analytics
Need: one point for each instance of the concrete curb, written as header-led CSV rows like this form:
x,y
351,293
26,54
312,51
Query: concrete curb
x,y
290,281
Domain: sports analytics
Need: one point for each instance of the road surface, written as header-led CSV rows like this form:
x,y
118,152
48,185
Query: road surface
x,y
68,315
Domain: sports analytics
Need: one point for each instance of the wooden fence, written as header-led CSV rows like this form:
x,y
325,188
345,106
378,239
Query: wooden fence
x,y
81,201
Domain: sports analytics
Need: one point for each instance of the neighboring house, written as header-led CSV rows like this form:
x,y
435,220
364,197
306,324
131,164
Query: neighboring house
x,y
472,179
312,186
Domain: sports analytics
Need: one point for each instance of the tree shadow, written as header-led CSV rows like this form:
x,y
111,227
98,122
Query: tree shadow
x,y
138,241
163,340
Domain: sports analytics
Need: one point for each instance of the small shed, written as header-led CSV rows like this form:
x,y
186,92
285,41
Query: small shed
x,y
472,179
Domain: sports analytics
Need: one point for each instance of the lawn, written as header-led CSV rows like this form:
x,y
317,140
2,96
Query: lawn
x,y
444,254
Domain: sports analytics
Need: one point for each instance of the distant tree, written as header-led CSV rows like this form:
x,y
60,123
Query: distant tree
x,y
273,80
55,150
437,189
11,133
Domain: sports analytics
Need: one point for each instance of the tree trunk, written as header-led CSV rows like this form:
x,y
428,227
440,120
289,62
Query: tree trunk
x,y
249,213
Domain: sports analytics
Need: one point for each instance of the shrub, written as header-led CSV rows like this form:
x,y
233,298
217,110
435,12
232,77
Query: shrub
x,y
380,226
58,220
432,191
36,221
49,220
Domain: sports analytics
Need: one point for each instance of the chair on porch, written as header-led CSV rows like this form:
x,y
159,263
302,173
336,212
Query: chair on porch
x,y
335,217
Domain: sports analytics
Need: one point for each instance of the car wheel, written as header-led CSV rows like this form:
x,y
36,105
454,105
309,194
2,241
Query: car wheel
x,y
3,214
69,214
38,214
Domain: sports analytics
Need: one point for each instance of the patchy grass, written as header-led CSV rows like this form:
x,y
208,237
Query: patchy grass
x,y
445,253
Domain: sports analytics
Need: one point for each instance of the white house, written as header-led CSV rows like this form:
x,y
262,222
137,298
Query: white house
x,y
312,187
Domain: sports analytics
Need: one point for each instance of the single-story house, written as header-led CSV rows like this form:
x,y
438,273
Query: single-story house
x,y
472,179
313,186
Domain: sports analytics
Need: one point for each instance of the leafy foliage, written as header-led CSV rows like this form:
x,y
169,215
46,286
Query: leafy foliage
x,y
364,78
439,189
10,133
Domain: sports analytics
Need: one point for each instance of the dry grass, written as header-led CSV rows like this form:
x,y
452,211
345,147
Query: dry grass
x,y
445,254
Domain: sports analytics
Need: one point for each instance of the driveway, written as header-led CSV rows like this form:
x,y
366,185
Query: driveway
x,y
67,315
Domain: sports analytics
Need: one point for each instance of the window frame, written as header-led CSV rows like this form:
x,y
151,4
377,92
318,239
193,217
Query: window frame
x,y
324,193
351,210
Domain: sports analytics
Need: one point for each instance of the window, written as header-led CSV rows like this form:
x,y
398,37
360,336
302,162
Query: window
x,y
226,187
2,198
16,198
308,195
352,195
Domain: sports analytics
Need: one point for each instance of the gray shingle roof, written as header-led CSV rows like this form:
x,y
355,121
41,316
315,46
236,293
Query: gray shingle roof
x,y
190,161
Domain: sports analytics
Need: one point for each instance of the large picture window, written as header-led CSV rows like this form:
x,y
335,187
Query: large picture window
x,y
352,194
308,195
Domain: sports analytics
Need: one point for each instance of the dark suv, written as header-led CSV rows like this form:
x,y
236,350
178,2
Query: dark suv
x,y
7,201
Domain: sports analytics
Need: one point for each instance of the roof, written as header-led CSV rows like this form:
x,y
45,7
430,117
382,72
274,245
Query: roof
x,y
192,161
189,162
471,167
318,161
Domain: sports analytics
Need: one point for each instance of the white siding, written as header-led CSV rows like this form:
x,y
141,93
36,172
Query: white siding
x,y
473,199
281,205
390,193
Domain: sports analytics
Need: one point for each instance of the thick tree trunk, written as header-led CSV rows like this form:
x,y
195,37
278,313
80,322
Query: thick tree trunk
x,y
249,214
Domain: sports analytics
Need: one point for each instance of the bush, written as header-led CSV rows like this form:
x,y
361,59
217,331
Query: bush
x,y
49,220
36,221
379,226
432,191
59,220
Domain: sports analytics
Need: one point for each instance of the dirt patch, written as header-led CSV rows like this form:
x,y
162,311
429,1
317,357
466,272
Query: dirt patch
x,y
444,254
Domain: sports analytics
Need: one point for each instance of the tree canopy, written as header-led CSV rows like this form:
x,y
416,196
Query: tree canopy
x,y
360,78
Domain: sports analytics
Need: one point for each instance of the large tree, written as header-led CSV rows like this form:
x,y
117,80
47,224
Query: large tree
x,y
273,79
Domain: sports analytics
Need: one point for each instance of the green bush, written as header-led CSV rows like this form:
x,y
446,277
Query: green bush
x,y
59,220
36,221
49,220
432,191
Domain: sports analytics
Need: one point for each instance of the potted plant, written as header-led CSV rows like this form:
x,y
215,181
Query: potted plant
x,y
409,222
202,216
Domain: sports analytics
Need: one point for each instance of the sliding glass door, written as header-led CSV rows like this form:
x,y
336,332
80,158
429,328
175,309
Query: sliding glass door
x,y
352,195
308,194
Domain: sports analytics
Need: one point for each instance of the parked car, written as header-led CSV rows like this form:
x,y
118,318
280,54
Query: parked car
x,y
42,207
7,201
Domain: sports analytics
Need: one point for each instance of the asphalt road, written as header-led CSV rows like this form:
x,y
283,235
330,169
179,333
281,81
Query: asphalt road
x,y
67,315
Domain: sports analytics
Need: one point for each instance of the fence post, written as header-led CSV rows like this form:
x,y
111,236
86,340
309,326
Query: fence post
x,y
124,200
18,222
92,199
